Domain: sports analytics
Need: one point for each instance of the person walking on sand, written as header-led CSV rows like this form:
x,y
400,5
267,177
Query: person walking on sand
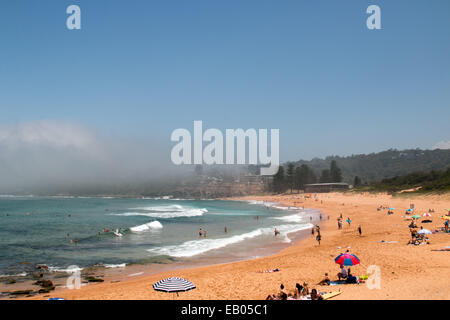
x,y
226,230
360,230
318,238
204,233
313,231
349,221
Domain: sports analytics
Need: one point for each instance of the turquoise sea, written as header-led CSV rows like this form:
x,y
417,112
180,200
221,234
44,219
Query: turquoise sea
x,y
66,231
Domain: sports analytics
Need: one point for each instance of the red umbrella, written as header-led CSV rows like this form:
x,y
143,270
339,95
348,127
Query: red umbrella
x,y
346,259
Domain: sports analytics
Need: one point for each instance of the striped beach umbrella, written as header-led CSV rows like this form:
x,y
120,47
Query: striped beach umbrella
x,y
417,216
173,285
346,259
426,214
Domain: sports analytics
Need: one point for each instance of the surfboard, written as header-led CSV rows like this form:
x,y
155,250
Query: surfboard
x,y
330,295
117,233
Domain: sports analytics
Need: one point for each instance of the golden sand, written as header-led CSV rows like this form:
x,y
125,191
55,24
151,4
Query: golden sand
x,y
407,272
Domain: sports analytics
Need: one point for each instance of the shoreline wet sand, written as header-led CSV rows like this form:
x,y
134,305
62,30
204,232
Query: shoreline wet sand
x,y
407,272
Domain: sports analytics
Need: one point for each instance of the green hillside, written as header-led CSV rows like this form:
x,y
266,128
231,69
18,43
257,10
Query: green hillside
x,y
375,167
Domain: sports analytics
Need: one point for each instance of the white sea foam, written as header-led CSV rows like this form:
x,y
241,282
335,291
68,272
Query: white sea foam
x,y
260,202
196,247
66,270
147,226
274,205
174,207
296,218
166,214
111,266
23,274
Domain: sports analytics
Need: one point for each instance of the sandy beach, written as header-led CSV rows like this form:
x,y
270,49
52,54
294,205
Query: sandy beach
x,y
407,272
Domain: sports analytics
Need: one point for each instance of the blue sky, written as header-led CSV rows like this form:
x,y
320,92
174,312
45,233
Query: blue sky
x,y
310,68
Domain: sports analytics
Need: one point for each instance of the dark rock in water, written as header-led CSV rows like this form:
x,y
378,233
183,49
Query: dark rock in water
x,y
46,290
42,267
44,283
37,275
94,279
20,292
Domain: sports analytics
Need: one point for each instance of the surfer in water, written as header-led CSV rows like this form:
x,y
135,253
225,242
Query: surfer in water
x,y
276,232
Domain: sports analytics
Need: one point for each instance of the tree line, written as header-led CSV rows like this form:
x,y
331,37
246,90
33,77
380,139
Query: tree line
x,y
296,177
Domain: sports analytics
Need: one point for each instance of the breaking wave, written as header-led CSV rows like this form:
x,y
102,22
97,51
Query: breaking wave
x,y
147,226
196,247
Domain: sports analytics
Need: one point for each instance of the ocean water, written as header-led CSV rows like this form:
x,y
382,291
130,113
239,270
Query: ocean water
x,y
35,230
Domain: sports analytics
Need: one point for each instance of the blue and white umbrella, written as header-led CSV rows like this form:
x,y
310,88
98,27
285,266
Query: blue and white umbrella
x,y
173,285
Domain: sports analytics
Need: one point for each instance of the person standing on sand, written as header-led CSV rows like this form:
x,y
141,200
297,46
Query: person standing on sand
x,y
349,221
204,233
318,238
360,230
200,232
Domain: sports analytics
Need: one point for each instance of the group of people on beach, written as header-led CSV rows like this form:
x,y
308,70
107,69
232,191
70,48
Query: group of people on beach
x,y
301,292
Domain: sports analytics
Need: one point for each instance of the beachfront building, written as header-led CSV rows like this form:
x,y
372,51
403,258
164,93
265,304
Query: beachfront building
x,y
326,187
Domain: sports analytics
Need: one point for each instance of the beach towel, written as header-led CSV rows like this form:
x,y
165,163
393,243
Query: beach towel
x,y
338,283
